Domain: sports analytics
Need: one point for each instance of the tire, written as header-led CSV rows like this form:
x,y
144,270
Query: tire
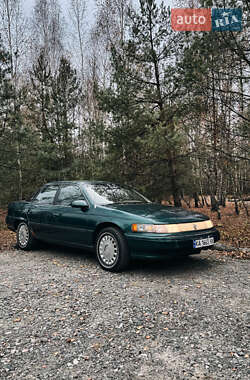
x,y
25,240
112,250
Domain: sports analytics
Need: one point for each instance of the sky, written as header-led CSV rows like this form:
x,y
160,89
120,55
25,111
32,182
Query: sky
x,y
28,5
91,8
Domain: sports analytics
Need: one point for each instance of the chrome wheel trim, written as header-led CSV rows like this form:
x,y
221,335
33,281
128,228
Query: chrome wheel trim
x,y
23,235
108,250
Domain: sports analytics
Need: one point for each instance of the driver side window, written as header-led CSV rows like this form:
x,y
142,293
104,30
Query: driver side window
x,y
68,194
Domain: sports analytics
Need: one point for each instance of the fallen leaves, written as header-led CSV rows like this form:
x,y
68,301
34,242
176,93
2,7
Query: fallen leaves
x,y
17,320
234,229
70,340
96,346
7,240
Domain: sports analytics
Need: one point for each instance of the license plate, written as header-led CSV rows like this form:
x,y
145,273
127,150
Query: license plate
x,y
203,242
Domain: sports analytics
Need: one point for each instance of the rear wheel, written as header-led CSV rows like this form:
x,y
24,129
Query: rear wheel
x,y
112,250
25,240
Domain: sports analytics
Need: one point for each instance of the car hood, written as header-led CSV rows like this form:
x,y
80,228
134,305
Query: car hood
x,y
158,213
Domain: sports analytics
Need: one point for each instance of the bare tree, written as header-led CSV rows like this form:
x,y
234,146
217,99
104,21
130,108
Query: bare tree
x,y
47,31
187,3
111,18
78,31
13,31
109,30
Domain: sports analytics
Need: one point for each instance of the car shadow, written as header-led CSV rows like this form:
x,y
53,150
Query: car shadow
x,y
179,265
72,254
172,265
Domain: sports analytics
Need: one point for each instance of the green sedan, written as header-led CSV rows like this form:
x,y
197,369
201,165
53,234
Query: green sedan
x,y
115,221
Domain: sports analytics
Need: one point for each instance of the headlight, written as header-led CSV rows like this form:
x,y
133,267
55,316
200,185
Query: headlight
x,y
155,228
172,228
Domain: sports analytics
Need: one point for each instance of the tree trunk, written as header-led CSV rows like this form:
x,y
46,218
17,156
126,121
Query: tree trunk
x,y
214,203
20,174
174,185
236,207
223,200
196,200
244,205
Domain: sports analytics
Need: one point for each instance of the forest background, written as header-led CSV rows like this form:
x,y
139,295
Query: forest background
x,y
123,97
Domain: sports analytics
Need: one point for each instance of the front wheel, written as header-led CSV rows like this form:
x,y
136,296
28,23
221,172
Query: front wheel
x,y
25,240
112,250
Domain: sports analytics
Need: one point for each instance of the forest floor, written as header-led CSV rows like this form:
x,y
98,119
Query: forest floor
x,y
234,229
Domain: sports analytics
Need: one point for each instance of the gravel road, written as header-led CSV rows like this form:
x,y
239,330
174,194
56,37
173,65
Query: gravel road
x,y
62,317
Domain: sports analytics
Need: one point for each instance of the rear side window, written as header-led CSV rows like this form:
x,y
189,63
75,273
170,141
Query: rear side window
x,y
47,194
68,194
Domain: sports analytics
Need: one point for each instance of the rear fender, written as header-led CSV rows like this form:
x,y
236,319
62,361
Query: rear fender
x,y
17,213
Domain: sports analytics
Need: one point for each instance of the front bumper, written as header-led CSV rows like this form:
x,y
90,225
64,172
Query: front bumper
x,y
153,245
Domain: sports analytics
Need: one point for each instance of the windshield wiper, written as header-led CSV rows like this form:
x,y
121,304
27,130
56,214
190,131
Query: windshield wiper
x,y
132,201
123,202
127,202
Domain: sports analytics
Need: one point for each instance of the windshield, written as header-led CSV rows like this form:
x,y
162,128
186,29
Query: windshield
x,y
109,193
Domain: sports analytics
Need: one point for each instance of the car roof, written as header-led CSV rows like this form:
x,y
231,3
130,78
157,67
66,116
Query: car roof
x,y
75,182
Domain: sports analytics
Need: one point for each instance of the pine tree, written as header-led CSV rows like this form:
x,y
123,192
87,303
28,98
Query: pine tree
x,y
66,95
53,107
144,96
8,167
6,91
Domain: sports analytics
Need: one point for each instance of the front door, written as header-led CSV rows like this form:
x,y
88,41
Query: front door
x,y
41,219
72,225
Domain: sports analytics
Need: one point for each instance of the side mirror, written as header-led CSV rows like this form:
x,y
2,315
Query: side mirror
x,y
80,203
